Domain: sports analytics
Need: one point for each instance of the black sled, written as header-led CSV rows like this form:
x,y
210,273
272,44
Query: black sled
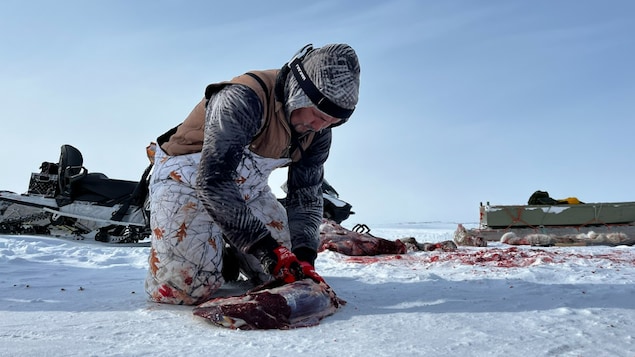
x,y
64,199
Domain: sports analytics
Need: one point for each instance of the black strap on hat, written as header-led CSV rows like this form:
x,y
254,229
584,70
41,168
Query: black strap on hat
x,y
323,103
284,71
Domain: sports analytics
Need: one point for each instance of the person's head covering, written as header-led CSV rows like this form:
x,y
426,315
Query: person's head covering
x,y
334,72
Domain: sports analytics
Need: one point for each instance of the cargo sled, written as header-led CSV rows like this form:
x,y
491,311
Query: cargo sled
x,y
559,222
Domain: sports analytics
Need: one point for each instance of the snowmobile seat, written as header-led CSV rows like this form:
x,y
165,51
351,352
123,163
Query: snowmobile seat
x,y
70,170
100,189
75,183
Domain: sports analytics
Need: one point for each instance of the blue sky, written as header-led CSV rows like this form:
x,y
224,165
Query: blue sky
x,y
461,102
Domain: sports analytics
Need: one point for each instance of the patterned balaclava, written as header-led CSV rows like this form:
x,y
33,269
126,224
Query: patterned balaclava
x,y
334,69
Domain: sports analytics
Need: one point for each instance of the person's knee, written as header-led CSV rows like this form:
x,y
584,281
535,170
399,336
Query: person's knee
x,y
186,291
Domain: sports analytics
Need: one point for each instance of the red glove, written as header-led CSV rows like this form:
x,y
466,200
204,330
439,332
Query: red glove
x,y
290,269
309,271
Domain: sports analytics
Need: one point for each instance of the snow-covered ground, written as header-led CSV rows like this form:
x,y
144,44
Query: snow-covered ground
x,y
82,298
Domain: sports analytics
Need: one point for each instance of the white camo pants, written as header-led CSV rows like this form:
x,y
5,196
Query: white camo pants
x,y
186,254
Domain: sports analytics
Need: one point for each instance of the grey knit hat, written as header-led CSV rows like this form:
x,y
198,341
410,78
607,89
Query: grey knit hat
x,y
332,85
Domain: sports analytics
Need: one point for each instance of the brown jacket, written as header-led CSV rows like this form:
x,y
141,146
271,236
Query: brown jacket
x,y
274,137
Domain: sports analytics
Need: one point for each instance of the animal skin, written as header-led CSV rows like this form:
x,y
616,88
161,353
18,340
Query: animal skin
x,y
590,238
463,237
336,238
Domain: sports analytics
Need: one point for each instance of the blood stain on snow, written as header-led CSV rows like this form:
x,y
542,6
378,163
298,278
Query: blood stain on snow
x,y
499,257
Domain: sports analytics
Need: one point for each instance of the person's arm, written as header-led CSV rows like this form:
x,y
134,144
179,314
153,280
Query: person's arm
x,y
304,199
304,209
232,118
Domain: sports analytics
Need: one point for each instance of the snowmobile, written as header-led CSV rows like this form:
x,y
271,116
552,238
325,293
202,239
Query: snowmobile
x,y
334,209
64,199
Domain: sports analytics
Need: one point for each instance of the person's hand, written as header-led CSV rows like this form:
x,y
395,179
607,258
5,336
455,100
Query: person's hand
x,y
309,271
290,269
